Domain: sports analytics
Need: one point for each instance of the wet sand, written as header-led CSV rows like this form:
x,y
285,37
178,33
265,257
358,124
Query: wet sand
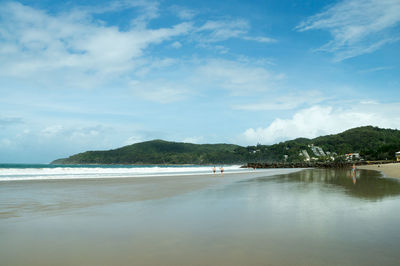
x,y
390,169
266,217
21,198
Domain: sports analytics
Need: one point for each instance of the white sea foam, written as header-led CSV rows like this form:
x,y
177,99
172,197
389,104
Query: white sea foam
x,y
16,174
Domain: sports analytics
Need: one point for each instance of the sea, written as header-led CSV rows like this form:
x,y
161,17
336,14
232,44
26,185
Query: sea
x,y
20,172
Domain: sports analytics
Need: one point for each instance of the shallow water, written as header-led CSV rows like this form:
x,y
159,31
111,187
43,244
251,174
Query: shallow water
x,y
35,172
312,217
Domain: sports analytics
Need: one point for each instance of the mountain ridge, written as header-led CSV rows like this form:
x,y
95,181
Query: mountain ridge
x,y
372,143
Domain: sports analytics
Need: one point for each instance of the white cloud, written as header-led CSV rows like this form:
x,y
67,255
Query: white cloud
x,y
260,39
155,64
140,134
375,69
221,49
357,26
368,102
196,140
33,142
51,131
74,50
134,139
176,45
160,90
238,78
322,120
287,102
182,12
149,11
72,47
76,134
204,77
148,8
219,30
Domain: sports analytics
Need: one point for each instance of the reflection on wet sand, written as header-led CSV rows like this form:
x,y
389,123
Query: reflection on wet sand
x,y
353,174
369,185
20,198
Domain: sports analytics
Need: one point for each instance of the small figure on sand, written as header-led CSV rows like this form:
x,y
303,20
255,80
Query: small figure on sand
x,y
214,170
222,170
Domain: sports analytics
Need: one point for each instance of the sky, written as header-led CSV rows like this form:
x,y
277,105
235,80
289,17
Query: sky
x,y
97,75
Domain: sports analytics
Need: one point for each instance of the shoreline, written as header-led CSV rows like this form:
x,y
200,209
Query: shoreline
x,y
132,177
49,196
389,170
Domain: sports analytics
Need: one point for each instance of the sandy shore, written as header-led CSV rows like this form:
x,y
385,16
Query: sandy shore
x,y
390,169
18,198
203,220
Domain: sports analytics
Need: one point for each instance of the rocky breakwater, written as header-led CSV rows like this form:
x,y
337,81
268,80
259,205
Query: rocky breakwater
x,y
312,164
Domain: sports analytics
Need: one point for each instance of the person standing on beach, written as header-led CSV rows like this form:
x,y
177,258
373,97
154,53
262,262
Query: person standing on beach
x,y
222,170
214,170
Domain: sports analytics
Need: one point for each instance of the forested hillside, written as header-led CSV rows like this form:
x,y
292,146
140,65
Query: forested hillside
x,y
371,142
159,152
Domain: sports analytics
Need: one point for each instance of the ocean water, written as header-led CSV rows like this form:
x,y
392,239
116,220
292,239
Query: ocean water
x,y
19,172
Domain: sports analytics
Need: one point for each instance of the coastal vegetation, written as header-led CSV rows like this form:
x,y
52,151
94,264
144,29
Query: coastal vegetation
x,y
371,143
159,152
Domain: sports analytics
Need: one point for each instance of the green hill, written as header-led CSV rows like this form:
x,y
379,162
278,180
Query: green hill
x,y
159,152
372,143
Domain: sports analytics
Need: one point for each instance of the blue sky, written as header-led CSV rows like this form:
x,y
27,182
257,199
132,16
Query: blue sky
x,y
91,75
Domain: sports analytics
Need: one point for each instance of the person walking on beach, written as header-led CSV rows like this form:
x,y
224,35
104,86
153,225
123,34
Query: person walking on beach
x,y
222,170
214,170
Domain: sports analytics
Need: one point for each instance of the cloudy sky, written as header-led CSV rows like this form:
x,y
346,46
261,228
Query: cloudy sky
x,y
90,75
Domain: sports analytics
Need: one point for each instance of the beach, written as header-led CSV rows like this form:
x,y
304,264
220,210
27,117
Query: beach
x,y
24,197
262,217
389,170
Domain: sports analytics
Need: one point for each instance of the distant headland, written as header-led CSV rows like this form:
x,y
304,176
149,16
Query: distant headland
x,y
354,145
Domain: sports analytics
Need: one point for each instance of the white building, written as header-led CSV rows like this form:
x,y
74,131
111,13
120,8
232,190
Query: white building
x,y
353,156
321,151
305,154
318,151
